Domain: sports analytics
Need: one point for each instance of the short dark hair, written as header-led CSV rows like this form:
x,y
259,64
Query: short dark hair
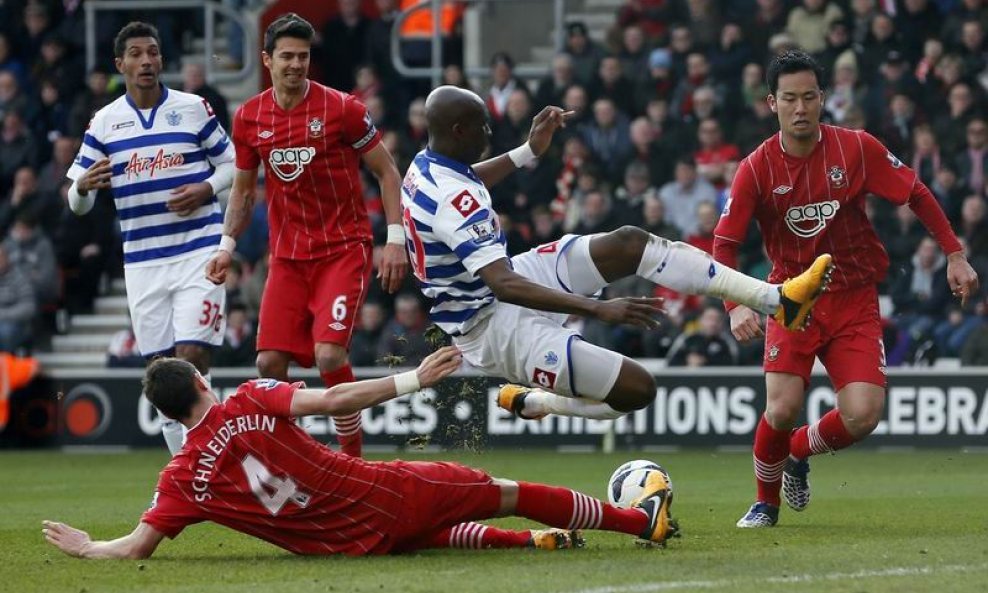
x,y
790,62
287,25
131,30
170,385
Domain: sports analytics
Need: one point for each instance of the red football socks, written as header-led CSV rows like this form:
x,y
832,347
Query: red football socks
x,y
568,509
770,453
349,430
825,435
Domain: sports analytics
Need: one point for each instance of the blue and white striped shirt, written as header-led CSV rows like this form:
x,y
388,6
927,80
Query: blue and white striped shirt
x,y
451,232
179,141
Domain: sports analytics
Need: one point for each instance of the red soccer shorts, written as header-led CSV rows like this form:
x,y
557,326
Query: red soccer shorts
x,y
437,495
845,332
311,301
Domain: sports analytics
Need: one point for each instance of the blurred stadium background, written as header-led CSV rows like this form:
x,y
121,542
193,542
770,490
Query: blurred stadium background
x,y
668,95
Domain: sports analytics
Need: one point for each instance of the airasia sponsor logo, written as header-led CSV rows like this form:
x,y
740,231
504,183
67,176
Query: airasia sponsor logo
x,y
288,163
138,165
808,220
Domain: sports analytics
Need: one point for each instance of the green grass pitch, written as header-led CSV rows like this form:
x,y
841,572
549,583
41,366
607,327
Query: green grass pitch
x,y
879,522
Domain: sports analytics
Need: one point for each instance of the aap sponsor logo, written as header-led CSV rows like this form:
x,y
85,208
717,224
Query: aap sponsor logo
x,y
288,163
808,220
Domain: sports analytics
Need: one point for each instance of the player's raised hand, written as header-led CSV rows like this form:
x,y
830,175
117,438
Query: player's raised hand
x,y
439,365
544,125
746,324
187,198
961,277
217,266
639,311
393,267
64,537
96,176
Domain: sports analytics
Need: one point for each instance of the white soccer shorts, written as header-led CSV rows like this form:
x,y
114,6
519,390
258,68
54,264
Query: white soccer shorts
x,y
527,346
174,303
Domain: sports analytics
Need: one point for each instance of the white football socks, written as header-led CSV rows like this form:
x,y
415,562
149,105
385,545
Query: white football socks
x,y
689,270
540,403
174,433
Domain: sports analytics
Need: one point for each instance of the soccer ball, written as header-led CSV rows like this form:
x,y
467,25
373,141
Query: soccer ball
x,y
628,481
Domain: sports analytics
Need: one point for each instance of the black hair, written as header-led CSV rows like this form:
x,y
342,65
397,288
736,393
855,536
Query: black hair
x,y
790,62
131,30
287,25
170,385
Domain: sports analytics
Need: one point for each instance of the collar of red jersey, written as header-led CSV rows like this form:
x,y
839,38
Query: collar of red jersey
x,y
308,84
783,146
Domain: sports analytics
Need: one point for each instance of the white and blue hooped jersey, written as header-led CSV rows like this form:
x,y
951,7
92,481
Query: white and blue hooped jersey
x,y
153,152
451,232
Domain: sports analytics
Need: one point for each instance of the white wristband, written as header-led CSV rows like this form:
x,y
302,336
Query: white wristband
x,y
396,234
228,244
522,155
407,382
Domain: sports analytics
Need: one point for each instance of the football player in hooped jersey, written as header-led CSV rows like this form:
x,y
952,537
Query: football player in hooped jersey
x,y
312,140
246,465
164,157
506,315
806,186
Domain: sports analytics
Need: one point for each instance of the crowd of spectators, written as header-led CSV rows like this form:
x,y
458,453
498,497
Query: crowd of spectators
x,y
664,110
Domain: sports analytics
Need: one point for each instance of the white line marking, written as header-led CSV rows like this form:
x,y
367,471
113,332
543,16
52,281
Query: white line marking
x,y
902,571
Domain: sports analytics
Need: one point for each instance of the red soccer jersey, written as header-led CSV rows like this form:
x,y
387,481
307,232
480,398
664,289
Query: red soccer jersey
x,y
814,205
247,466
311,154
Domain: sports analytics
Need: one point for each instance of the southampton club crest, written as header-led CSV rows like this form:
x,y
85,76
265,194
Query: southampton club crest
x,y
838,178
315,128
773,353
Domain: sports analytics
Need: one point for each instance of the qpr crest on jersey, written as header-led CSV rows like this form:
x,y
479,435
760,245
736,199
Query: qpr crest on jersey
x,y
173,118
837,177
315,128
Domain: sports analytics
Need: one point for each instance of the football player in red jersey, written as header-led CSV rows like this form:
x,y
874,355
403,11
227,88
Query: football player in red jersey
x,y
806,187
246,465
312,140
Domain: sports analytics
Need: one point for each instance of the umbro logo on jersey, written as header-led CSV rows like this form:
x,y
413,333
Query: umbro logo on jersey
x,y
337,326
288,163
265,134
782,190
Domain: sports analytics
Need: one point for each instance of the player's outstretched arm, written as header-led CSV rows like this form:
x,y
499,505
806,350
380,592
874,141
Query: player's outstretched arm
x,y
238,212
348,398
544,125
510,287
140,543
394,259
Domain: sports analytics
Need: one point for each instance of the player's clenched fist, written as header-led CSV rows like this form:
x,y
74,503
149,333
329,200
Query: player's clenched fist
x,y
439,365
96,177
217,266
746,324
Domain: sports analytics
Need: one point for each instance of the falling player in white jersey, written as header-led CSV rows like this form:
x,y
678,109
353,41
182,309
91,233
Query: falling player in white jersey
x,y
506,314
164,156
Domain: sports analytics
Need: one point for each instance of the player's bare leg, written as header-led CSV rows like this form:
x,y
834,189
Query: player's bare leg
x,y
273,364
859,409
334,368
784,400
200,356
